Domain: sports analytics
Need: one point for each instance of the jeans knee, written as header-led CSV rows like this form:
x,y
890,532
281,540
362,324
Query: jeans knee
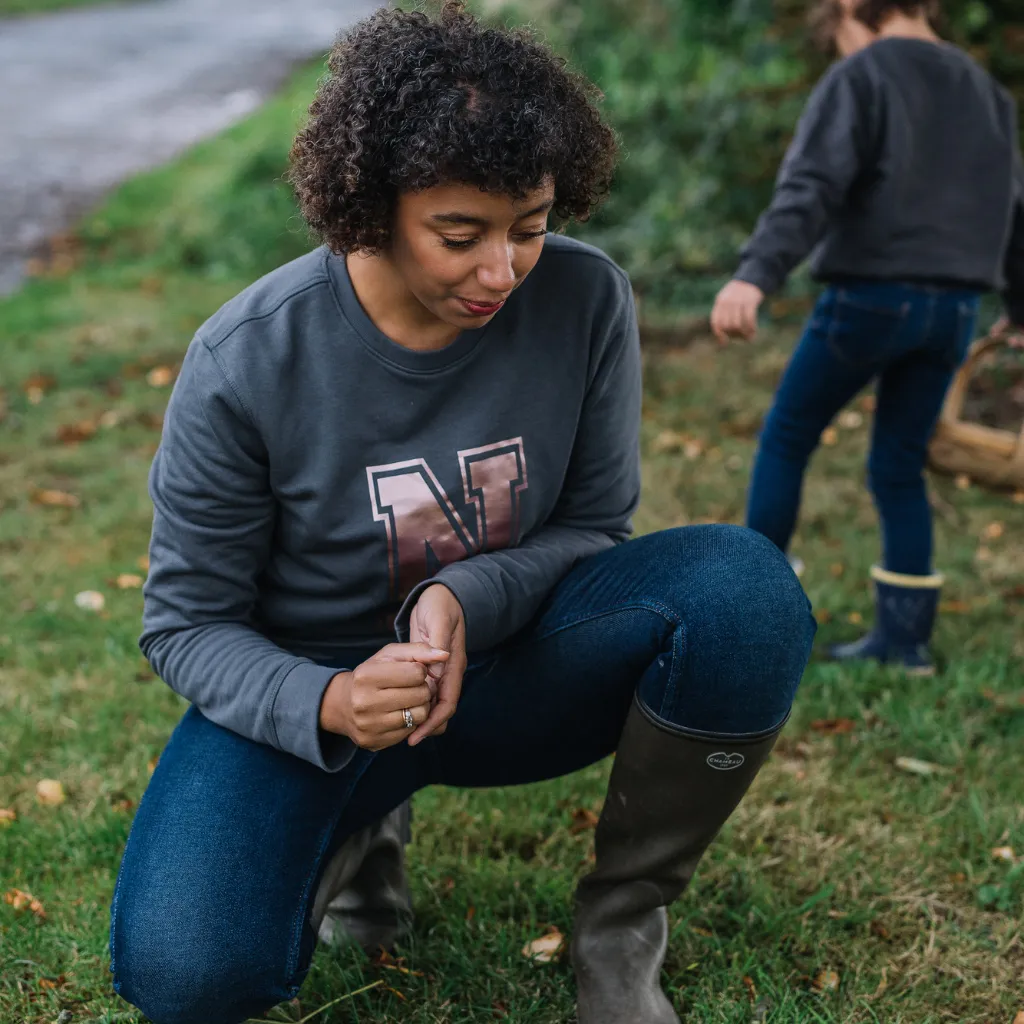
x,y
745,633
787,436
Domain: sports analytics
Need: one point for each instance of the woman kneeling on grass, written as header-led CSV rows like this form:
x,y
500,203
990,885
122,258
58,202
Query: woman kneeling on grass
x,y
429,427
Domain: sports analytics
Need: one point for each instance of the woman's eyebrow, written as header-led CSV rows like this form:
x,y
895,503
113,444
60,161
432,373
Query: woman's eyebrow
x,y
468,218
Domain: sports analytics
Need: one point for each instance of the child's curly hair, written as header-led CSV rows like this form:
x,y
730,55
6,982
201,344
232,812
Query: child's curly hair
x,y
412,101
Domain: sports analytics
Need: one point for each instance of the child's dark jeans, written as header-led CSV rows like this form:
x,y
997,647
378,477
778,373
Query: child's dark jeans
x,y
910,338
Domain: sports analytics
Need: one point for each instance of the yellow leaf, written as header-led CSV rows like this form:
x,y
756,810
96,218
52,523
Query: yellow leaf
x,y
583,818
855,618
90,601
55,499
916,767
546,948
1004,853
143,563
129,581
993,531
50,792
829,436
7,816
826,981
837,569
22,900
160,377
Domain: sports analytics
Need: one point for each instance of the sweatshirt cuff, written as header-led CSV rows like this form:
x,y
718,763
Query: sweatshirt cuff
x,y
479,608
754,272
295,715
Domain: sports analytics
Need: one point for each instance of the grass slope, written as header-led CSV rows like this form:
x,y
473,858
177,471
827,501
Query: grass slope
x,y
844,889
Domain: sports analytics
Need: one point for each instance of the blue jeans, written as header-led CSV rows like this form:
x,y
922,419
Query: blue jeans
x,y
911,339
210,917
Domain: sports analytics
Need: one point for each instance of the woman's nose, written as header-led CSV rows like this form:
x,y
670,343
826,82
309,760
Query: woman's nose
x,y
495,271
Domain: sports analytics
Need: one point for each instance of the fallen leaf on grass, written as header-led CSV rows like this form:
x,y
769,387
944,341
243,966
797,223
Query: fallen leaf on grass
x,y
25,901
955,607
1018,499
50,792
55,499
855,618
878,929
697,930
1004,853
1004,701
837,569
850,419
983,554
583,818
151,765
829,436
52,983
822,616
73,433
546,948
834,726
90,601
7,816
916,767
36,387
1019,1019
826,981
993,531
160,377
1014,593
143,562
129,581
869,403
751,988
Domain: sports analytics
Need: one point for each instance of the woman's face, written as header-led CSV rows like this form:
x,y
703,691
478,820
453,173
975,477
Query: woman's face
x,y
461,252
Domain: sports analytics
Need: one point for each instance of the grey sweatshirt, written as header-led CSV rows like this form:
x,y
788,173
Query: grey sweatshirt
x,y
313,477
905,166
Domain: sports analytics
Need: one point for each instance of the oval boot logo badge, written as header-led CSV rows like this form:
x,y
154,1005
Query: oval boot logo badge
x,y
725,762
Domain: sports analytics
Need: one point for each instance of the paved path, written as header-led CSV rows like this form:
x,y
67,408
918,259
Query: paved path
x,y
89,97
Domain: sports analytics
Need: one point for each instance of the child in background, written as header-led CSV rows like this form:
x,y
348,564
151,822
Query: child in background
x,y
905,178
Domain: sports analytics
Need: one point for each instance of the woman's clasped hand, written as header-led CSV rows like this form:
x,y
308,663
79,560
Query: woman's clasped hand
x,y
423,677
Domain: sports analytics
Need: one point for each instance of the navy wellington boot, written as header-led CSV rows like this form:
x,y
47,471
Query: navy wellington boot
x,y
905,615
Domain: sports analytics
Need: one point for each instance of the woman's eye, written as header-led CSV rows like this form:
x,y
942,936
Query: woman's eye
x,y
525,236
457,243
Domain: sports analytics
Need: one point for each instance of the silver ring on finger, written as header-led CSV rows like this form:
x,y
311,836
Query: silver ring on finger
x,y
407,718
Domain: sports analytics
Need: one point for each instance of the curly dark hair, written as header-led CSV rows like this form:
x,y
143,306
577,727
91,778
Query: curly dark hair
x,y
825,16
411,101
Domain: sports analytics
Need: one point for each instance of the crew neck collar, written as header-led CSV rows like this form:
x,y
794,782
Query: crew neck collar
x,y
383,346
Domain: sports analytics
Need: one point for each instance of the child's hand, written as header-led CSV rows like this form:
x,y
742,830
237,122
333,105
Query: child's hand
x,y
735,312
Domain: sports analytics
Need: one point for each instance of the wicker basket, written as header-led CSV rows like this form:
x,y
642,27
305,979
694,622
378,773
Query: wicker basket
x,y
986,454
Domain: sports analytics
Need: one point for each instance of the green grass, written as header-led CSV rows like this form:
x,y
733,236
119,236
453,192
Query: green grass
x,y
838,861
14,8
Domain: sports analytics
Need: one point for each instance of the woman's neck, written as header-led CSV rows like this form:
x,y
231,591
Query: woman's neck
x,y
903,26
393,308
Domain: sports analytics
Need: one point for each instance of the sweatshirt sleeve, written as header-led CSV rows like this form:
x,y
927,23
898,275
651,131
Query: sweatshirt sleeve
x,y
1014,270
822,162
501,591
213,520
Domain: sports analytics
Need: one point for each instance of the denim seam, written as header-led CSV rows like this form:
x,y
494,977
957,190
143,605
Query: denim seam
x,y
647,606
678,638
295,942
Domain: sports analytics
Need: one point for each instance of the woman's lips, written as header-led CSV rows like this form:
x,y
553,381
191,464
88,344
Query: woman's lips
x,y
481,308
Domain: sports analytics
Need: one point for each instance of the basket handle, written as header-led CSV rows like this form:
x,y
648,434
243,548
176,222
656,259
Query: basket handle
x,y
953,406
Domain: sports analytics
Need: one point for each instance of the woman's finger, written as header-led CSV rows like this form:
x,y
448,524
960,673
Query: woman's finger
x,y
396,719
389,675
405,697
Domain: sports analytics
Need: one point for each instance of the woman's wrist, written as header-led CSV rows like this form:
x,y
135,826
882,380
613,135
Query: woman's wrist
x,y
332,717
